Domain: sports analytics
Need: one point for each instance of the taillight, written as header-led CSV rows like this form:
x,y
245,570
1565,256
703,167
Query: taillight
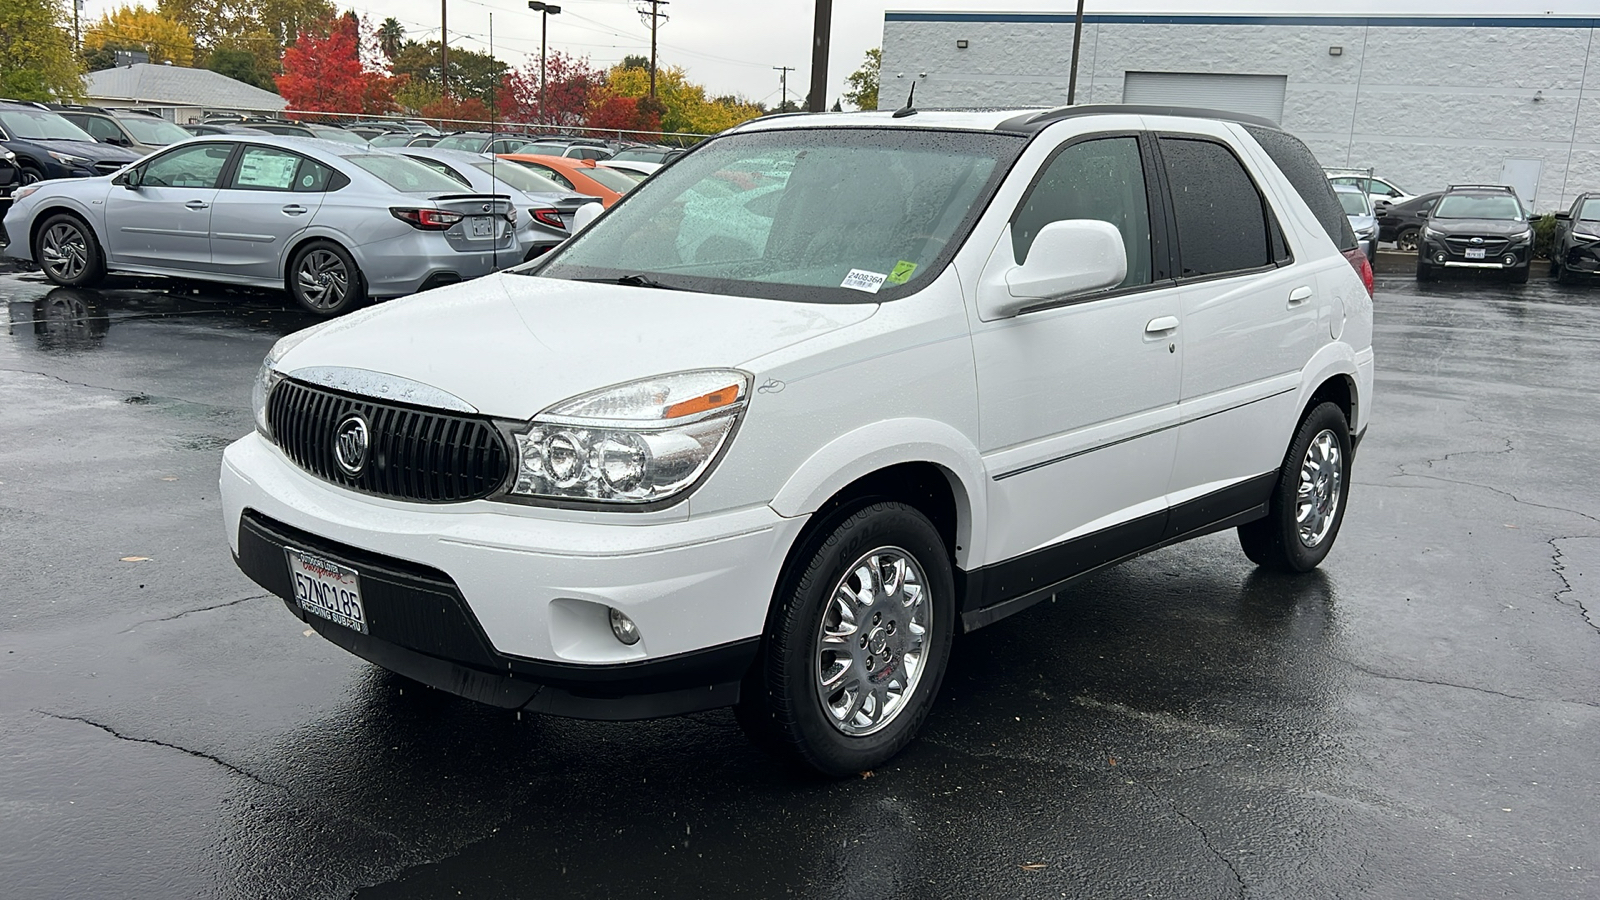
x,y
425,219
1362,265
549,217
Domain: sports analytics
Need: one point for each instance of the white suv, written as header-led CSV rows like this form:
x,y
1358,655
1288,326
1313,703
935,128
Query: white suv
x,y
814,398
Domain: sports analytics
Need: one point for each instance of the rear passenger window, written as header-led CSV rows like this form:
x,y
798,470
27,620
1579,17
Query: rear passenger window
x,y
1222,221
266,169
1098,179
1298,164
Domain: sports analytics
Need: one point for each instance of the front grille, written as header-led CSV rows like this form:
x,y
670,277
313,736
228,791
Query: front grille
x,y
1492,246
106,168
414,454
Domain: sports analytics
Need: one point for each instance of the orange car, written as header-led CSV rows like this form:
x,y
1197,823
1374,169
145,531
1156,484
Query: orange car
x,y
580,175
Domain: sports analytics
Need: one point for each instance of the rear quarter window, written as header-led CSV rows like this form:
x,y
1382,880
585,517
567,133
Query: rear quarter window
x,y
1299,165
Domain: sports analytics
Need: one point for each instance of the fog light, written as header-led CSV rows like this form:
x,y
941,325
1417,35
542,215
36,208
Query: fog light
x,y
1510,260
1439,257
623,628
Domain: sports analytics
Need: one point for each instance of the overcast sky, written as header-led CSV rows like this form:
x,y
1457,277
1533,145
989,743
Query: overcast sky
x,y
731,46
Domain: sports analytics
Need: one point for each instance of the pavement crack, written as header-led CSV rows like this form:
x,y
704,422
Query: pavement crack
x,y
1205,837
1559,568
198,754
1509,448
1504,493
1389,676
190,612
129,396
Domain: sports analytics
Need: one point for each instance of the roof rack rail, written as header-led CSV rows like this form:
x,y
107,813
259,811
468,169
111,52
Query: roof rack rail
x,y
1482,187
1028,123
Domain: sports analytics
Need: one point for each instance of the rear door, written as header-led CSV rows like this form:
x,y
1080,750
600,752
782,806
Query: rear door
x,y
268,198
1252,318
165,222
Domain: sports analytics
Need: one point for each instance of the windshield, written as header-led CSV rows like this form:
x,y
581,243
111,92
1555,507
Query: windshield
x,y
520,177
641,154
798,214
1590,210
391,139
1467,206
609,178
472,143
39,125
338,134
1354,203
155,132
406,174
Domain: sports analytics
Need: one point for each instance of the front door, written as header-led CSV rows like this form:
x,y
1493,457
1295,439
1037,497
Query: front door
x,y
165,222
1078,401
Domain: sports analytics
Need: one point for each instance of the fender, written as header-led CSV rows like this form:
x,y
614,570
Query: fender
x,y
94,215
1333,359
879,445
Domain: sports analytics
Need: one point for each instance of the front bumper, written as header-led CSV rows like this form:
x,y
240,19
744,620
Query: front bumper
x,y
506,604
1582,256
1454,254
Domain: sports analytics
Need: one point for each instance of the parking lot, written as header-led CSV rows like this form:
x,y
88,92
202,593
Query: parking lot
x,y
1418,718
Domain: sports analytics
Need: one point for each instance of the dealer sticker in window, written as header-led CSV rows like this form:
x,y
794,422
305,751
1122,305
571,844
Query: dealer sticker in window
x,y
862,280
902,272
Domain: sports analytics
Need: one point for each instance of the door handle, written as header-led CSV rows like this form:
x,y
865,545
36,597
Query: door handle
x,y
1161,325
197,204
1299,295
294,209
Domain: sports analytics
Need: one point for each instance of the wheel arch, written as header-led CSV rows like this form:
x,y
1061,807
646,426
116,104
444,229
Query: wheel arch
x,y
1332,376
44,215
308,237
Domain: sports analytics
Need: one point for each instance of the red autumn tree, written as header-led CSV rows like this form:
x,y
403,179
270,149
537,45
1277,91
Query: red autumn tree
x,y
457,114
624,114
323,72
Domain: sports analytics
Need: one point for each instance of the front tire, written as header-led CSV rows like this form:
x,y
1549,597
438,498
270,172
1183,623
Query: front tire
x,y
324,279
1426,272
30,175
1308,502
1519,276
66,250
857,644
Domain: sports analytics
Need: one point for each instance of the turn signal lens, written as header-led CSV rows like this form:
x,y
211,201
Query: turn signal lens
x,y
705,402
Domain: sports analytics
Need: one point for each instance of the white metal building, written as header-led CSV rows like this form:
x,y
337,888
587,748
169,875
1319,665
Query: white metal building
x,y
1425,100
178,93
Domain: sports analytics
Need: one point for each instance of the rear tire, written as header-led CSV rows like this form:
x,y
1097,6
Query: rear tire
x,y
66,250
1308,502
324,279
856,645
1406,240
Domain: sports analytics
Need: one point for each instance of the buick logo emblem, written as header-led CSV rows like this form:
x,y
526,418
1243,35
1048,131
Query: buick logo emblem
x,y
351,442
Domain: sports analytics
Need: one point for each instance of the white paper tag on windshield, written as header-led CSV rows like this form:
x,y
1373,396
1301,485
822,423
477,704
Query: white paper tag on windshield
x,y
862,280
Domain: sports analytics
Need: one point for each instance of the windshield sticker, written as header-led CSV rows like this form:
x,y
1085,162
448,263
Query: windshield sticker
x,y
862,280
902,272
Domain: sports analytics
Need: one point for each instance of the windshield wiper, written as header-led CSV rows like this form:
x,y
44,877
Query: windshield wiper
x,y
636,280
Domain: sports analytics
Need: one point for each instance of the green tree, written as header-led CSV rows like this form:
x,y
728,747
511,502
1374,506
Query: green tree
x,y
472,74
391,36
36,58
134,27
636,62
240,65
104,56
863,93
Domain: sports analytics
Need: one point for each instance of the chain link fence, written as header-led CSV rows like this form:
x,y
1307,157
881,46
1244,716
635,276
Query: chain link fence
x,y
504,126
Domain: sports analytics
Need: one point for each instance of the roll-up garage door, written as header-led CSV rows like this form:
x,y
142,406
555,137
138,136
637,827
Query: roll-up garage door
x,y
1255,95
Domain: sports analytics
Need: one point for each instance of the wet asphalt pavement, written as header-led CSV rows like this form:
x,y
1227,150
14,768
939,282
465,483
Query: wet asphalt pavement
x,y
1418,719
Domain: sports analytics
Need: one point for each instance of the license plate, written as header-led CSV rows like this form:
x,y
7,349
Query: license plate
x,y
1474,253
327,589
482,228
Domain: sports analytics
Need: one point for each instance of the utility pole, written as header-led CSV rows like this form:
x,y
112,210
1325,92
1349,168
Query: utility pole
x,y
1077,35
783,83
656,15
545,11
77,39
444,53
819,56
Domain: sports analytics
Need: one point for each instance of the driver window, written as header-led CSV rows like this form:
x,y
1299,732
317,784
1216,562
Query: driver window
x,y
197,166
1099,179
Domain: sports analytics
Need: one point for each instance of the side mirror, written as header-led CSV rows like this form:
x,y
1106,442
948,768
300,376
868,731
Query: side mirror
x,y
131,179
585,215
1422,213
1070,257
1564,216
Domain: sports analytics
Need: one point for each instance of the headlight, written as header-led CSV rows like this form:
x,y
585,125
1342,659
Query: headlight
x,y
268,376
67,159
1522,238
1430,233
630,444
1585,236
26,190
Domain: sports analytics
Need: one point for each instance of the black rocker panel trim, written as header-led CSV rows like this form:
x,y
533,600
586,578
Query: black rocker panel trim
x,y
996,591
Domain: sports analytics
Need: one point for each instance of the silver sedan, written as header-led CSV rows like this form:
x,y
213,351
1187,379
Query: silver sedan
x,y
331,223
546,217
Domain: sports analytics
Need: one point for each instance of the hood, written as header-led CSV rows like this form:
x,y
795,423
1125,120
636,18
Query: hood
x,y
512,345
1359,224
1499,227
89,150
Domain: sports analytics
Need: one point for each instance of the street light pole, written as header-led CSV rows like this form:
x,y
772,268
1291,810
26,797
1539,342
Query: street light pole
x,y
1077,36
545,11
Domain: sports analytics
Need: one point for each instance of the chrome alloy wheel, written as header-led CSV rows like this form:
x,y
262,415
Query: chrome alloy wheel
x,y
64,251
871,641
324,279
1321,480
